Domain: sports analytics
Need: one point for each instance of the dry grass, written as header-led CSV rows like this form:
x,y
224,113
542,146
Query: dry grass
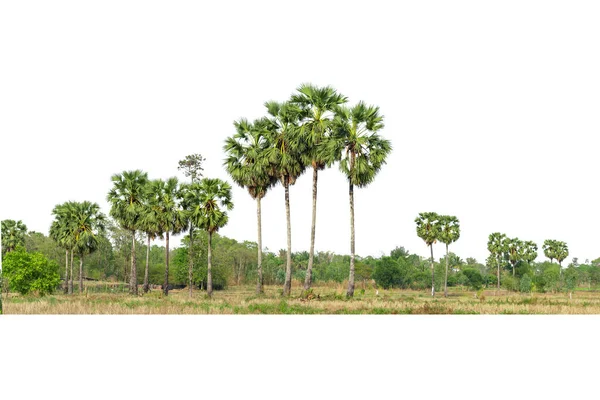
x,y
328,299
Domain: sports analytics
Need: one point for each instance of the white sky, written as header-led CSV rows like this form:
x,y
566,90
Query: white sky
x,y
491,108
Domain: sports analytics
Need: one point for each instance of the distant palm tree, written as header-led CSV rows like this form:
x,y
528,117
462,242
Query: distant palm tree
x,y
321,103
549,248
248,166
215,199
529,251
163,197
149,224
428,229
561,251
515,249
285,160
497,246
13,234
449,233
126,199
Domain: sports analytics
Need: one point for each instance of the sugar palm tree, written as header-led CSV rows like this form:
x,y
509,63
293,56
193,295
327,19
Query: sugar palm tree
x,y
163,197
497,246
248,166
149,224
561,251
428,229
529,251
214,199
61,232
13,234
320,103
285,161
362,152
126,199
449,233
549,248
191,205
515,249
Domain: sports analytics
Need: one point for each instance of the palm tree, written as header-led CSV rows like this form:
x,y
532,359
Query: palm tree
x,y
214,198
515,249
248,166
163,197
61,233
13,234
316,128
449,233
428,229
88,222
497,245
549,248
561,251
126,198
362,153
149,224
285,160
529,251
191,205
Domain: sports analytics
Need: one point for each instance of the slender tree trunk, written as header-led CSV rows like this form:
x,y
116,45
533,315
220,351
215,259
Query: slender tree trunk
x,y
209,286
133,289
498,283
71,280
66,286
311,255
166,285
287,286
513,270
259,283
432,273
146,284
191,260
446,279
81,273
350,292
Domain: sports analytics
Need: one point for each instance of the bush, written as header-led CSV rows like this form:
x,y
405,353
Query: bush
x,y
473,278
387,273
525,285
508,282
30,272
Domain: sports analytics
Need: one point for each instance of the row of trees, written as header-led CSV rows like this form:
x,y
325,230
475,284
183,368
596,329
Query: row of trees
x,y
313,129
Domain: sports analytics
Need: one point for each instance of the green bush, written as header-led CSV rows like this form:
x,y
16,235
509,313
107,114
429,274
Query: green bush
x,y
509,282
387,273
30,272
525,285
473,277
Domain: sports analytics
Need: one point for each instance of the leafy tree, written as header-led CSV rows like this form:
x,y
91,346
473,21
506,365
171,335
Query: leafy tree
x,y
474,278
449,232
362,152
316,128
248,166
525,284
126,198
13,234
428,229
497,247
30,272
571,278
191,166
387,272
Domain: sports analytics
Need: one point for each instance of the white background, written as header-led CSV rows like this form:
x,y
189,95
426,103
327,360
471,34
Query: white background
x,y
492,110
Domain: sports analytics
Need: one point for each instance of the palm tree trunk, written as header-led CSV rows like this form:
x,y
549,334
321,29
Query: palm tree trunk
x,y
432,272
311,255
133,289
71,279
287,286
166,285
446,279
146,284
209,287
259,284
66,288
350,291
81,273
191,259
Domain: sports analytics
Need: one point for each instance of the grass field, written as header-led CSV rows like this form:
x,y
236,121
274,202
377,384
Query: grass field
x,y
328,300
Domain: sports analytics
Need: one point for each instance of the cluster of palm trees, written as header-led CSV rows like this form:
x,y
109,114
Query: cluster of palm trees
x,y
312,129
433,227
13,234
160,208
556,250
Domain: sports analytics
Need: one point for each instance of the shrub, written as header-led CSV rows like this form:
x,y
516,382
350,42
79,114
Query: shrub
x,y
525,285
30,272
387,273
473,277
509,282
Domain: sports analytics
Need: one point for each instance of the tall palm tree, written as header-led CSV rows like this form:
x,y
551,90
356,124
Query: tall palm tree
x,y
248,166
428,229
362,152
285,160
214,199
515,249
190,195
449,233
149,224
126,199
61,232
88,222
561,251
320,103
529,251
549,248
497,246
13,234
163,197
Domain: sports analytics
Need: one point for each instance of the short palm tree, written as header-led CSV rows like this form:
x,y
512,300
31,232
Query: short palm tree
x,y
449,233
13,234
285,161
428,229
126,199
248,166
163,197
214,199
362,152
321,103
497,246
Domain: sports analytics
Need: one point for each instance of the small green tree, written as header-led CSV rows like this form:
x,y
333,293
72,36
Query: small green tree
x,y
525,284
30,272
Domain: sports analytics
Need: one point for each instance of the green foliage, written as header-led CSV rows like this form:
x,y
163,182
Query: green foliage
x,y
525,284
30,272
13,234
474,278
387,273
